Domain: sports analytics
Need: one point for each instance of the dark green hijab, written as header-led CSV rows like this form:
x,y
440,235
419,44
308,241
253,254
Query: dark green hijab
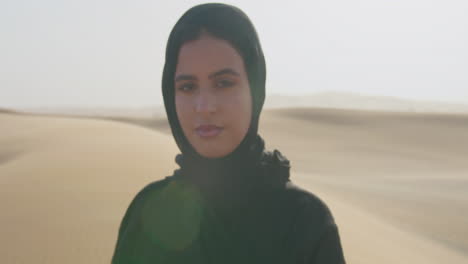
x,y
249,161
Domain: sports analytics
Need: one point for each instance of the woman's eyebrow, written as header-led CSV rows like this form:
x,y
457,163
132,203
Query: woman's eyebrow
x,y
223,71
185,77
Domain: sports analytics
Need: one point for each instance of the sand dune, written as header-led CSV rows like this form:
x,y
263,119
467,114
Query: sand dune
x,y
395,182
410,171
65,183
368,238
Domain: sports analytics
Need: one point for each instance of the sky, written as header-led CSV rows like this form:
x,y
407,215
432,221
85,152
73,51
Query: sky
x,y
89,53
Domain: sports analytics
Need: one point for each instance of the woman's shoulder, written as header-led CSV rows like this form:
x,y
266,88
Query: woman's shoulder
x,y
315,230
141,198
152,187
147,191
311,207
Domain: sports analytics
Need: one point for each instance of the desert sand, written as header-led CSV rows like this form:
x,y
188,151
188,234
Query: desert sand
x,y
396,182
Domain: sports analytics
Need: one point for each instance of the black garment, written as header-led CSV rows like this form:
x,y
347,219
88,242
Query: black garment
x,y
180,220
240,208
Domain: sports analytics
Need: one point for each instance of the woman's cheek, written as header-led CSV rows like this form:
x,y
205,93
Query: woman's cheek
x,y
239,109
183,110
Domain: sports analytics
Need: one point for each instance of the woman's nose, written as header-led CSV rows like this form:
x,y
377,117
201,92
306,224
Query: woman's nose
x,y
205,103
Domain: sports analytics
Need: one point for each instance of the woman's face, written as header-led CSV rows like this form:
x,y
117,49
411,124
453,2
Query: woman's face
x,y
212,96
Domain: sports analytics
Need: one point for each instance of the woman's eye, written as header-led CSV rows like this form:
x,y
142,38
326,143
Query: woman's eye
x,y
224,83
186,87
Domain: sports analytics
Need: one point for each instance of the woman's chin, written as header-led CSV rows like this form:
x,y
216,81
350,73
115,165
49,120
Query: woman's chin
x,y
213,152
218,146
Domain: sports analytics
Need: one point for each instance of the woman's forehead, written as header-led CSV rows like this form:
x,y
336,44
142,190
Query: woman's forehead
x,y
207,55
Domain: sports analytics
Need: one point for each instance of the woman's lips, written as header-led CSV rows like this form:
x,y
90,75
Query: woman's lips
x,y
208,131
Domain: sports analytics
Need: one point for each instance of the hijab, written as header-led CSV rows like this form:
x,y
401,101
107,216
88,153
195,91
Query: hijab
x,y
249,166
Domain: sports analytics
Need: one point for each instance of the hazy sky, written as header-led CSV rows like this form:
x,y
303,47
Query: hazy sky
x,y
110,52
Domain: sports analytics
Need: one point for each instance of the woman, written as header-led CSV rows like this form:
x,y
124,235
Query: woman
x,y
231,201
